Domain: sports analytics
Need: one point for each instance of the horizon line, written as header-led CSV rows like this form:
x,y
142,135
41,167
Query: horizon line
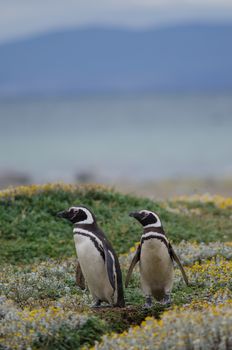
x,y
114,27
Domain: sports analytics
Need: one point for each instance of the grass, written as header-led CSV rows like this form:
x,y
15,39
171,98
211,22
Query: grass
x,y
30,230
40,305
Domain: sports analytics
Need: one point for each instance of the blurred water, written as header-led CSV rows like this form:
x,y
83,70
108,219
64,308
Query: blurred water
x,y
135,137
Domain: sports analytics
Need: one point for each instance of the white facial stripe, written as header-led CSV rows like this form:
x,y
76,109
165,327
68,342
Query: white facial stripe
x,y
154,234
145,211
80,230
89,219
157,224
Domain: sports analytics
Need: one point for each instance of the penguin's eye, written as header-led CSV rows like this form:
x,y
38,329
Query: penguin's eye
x,y
145,215
73,211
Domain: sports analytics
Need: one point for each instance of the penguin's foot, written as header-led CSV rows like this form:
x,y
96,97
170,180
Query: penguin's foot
x,y
166,300
148,303
96,304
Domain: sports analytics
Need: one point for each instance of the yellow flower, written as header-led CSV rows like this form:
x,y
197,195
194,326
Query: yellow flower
x,y
219,201
34,189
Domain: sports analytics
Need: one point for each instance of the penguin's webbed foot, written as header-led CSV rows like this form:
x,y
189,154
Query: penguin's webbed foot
x,y
148,303
166,301
96,304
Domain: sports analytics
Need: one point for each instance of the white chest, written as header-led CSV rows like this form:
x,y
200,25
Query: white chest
x,y
89,250
90,254
156,266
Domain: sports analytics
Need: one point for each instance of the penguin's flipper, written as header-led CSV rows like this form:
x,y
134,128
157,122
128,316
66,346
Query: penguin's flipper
x,y
177,260
110,266
80,279
134,261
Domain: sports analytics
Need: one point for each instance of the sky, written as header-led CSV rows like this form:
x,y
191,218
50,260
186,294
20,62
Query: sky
x,y
24,18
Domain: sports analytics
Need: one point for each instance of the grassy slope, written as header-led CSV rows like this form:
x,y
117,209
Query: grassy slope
x,y
29,229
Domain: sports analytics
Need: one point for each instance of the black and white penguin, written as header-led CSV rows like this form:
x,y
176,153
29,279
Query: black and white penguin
x,y
155,255
98,261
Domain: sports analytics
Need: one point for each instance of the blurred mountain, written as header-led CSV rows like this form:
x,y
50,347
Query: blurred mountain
x,y
181,58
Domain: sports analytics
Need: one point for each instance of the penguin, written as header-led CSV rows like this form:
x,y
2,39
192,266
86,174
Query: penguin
x,y
155,256
98,261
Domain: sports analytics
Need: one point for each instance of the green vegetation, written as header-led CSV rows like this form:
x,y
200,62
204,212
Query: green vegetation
x,y
71,338
30,230
41,306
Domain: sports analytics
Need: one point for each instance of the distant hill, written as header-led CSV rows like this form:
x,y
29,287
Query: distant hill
x,y
182,58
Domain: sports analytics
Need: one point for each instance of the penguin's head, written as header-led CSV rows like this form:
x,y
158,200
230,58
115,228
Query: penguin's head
x,y
147,218
77,215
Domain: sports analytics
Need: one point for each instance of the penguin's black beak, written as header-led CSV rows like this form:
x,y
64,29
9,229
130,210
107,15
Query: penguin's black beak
x,y
134,214
61,214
